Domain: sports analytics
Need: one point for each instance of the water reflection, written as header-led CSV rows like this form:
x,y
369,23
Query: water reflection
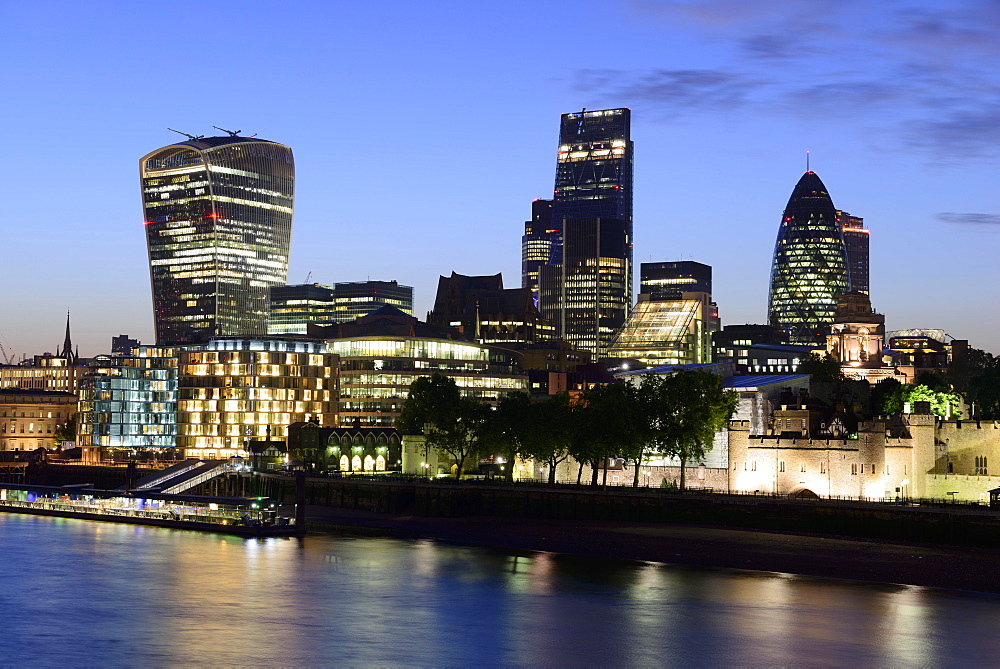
x,y
91,593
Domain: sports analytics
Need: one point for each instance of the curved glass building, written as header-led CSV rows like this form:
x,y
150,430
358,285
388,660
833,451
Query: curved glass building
x,y
809,272
218,215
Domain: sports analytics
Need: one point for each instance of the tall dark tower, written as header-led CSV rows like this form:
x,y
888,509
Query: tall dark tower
x,y
586,288
218,214
856,240
536,245
809,272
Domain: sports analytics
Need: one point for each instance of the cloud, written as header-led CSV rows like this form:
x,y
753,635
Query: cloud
x,y
981,221
959,133
682,90
919,76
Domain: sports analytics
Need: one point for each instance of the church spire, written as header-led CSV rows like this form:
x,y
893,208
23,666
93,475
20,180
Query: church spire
x,y
67,348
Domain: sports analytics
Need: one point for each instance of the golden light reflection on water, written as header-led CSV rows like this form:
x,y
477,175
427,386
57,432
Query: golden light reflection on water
x,y
148,596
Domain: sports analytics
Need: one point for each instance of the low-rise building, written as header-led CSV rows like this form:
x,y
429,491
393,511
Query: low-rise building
x,y
31,419
382,353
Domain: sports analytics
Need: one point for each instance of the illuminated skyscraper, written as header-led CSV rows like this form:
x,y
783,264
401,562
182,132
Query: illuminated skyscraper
x,y
809,272
856,242
536,245
586,288
218,215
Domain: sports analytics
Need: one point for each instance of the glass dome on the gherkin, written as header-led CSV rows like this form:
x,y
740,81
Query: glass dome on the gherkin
x,y
809,272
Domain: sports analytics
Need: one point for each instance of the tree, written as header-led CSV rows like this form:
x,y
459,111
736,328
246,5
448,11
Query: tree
x,y
505,429
449,422
933,380
940,402
693,407
611,415
66,431
548,435
887,397
984,392
822,367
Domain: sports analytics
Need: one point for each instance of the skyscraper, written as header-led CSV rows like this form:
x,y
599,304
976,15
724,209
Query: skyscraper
x,y
856,242
809,272
586,288
672,279
536,245
218,215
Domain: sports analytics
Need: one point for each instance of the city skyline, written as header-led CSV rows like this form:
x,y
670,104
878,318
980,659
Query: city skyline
x,y
871,91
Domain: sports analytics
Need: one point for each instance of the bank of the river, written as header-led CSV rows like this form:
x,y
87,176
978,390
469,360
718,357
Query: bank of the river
x,y
804,554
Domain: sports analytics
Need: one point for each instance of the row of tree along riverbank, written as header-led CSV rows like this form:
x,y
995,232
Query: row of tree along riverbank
x,y
968,526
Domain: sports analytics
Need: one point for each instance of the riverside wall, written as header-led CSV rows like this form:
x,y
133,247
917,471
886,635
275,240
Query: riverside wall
x,y
955,525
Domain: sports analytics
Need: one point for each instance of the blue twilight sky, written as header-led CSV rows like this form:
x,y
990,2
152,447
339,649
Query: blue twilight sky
x,y
423,130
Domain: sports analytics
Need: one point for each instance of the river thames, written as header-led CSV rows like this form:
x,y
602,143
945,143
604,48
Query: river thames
x,y
88,593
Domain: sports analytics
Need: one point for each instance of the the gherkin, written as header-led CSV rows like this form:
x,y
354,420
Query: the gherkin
x,y
809,272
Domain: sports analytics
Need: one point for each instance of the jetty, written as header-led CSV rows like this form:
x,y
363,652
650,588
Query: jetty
x,y
241,516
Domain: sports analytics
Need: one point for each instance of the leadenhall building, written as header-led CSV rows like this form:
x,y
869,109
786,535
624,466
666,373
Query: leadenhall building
x,y
218,216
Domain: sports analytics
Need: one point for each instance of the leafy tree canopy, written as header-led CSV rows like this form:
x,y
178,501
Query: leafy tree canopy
x,y
822,367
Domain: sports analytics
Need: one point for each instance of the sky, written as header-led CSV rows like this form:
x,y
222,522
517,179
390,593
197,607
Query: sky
x,y
423,131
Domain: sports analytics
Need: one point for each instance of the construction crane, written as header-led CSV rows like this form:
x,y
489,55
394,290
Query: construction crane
x,y
228,132
8,358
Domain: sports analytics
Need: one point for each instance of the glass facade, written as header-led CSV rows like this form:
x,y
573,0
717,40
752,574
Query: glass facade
x,y
810,271
376,373
359,298
669,332
536,245
293,308
669,280
218,217
233,390
586,288
128,404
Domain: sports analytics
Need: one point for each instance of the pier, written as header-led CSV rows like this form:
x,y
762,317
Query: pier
x,y
253,517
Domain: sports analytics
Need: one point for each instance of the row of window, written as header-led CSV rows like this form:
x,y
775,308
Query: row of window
x,y
751,465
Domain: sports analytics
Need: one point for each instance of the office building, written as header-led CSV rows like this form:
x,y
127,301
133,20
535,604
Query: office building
x,y
293,308
355,299
128,406
809,272
856,238
231,391
664,331
670,279
586,288
482,310
218,216
536,245
382,353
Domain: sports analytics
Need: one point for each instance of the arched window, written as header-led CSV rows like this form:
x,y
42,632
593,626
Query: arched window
x,y
356,463
345,464
380,464
369,463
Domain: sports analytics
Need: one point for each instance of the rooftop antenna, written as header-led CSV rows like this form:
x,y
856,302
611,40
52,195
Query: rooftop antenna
x,y
310,274
228,132
807,160
193,138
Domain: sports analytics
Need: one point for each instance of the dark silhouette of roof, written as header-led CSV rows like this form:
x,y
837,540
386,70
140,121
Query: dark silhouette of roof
x,y
460,295
209,142
386,321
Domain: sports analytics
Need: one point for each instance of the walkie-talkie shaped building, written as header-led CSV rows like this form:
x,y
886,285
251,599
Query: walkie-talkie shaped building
x,y
218,215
